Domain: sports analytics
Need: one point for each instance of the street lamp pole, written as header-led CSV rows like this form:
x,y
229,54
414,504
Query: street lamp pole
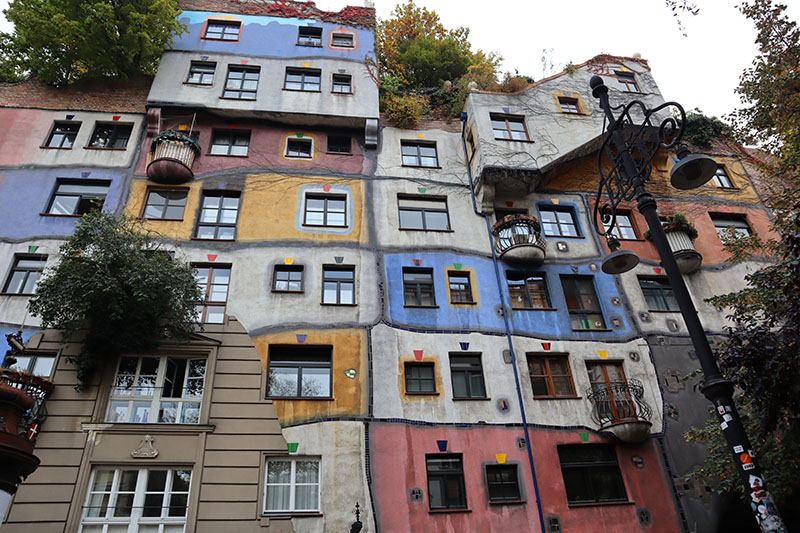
x,y
631,143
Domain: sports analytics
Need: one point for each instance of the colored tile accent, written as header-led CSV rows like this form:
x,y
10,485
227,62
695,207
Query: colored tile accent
x,y
292,446
211,257
500,457
301,337
418,355
442,444
464,345
288,260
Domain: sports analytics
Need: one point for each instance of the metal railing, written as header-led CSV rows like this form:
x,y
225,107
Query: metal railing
x,y
513,231
616,402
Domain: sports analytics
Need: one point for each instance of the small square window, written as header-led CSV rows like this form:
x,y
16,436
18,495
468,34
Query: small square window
x,y
338,285
460,287
287,278
302,148
503,483
445,481
721,179
569,105
218,215
582,302
302,79
214,281
551,376
342,83
241,83
466,372
724,224
292,485
627,82
201,73
25,274
591,474
309,36
78,197
63,135
223,30
658,294
623,228
111,136
419,378
325,210
342,40
558,222
527,290
230,143
418,287
423,213
340,144
165,204
300,372
509,127
418,154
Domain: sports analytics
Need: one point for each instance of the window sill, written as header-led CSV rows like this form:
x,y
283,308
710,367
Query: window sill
x,y
463,303
442,511
212,240
343,94
421,306
632,240
339,153
59,215
238,99
593,504
310,45
471,399
429,230
220,40
323,226
663,310
304,398
593,329
534,309
729,188
104,148
224,155
527,141
278,291
507,502
302,90
422,167
338,305
299,157
161,219
17,293
436,393
547,237
569,114
293,514
137,427
198,84
54,148
557,397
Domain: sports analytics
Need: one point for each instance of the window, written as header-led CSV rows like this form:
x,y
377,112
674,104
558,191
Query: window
x,y
418,287
292,485
551,376
721,179
582,302
299,372
445,482
339,144
658,294
503,483
419,378
739,225
613,403
167,390
338,285
429,214
417,154
509,127
287,278
242,83
299,148
558,222
342,83
165,204
63,135
25,274
460,288
623,228
214,282
223,31
627,82
342,40
591,474
302,79
309,36
230,143
466,373
569,105
201,73
218,216
111,136
77,197
527,290
136,499
325,210
38,364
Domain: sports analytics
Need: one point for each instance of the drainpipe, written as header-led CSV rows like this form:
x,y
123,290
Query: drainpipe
x,y
500,292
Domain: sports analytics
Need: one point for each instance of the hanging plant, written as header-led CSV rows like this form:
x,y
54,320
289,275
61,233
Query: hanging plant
x,y
677,222
176,136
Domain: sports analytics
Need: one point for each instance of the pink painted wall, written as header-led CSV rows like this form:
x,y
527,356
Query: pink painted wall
x,y
24,130
398,463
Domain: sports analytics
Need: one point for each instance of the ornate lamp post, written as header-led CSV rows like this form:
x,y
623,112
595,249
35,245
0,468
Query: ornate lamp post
x,y
625,163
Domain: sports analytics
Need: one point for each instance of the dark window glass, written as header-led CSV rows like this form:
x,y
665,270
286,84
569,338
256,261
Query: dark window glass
x,y
423,213
568,105
302,79
241,83
37,364
627,82
591,474
309,36
623,229
78,197
214,282
509,127
503,483
338,285
418,287
111,136
339,144
342,83
299,372
299,148
63,135
445,482
466,373
558,222
613,403
550,375
167,204
419,378
288,278
230,143
417,154
527,290
218,216
325,210
201,73
584,307
739,226
25,274
225,31
342,40
460,287
658,294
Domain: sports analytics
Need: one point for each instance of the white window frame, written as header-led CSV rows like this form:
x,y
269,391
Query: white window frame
x,y
135,520
149,395
293,485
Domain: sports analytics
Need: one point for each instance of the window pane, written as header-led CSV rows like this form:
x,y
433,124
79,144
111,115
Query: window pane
x,y
316,382
283,381
436,220
411,219
279,472
460,385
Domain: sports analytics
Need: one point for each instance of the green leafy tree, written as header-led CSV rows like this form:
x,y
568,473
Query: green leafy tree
x,y
61,41
428,61
117,285
10,70
702,130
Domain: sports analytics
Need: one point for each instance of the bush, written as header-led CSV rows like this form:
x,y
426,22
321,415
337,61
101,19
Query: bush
x,y
405,111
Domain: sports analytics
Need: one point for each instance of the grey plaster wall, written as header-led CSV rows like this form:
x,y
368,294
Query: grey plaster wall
x,y
449,151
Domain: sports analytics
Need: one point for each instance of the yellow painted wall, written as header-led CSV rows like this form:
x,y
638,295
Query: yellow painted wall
x,y
437,376
179,230
349,395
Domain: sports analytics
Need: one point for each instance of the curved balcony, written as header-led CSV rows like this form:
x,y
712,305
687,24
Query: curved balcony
x,y
618,407
518,240
689,260
172,156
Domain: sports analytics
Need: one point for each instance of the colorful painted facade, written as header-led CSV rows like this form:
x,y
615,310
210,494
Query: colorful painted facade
x,y
414,321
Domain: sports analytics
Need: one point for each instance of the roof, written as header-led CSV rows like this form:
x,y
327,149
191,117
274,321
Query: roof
x,y
349,16
117,96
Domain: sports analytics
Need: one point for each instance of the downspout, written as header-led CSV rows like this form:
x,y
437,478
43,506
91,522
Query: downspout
x,y
528,442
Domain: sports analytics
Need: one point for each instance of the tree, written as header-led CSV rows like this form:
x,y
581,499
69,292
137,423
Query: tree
x,y
116,282
427,61
10,71
61,41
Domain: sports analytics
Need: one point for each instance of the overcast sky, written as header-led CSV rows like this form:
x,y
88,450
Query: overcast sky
x,y
701,70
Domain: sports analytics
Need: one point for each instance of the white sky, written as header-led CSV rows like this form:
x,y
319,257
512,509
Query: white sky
x,y
701,70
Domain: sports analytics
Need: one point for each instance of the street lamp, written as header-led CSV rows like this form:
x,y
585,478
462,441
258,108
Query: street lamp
x,y
625,163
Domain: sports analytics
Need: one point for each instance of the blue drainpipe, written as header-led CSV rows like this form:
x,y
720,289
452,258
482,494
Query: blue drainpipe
x,y
529,444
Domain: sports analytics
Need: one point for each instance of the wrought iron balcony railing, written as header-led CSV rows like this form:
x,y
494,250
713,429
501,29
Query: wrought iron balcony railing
x,y
518,240
619,407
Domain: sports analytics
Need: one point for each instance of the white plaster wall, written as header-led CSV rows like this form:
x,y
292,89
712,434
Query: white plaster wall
x,y
449,151
13,308
340,446
389,345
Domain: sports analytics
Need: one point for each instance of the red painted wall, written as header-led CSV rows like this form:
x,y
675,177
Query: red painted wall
x,y
397,460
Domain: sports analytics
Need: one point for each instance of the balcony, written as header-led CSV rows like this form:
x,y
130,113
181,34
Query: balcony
x,y
518,240
618,408
172,155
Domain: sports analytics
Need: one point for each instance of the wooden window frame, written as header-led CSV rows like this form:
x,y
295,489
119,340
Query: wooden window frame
x,y
627,81
548,375
507,119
